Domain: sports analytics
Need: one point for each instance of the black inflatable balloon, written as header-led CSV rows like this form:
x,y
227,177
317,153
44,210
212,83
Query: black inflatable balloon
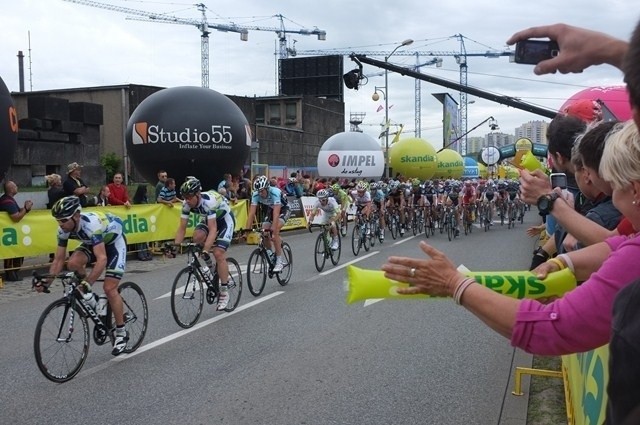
x,y
188,131
8,129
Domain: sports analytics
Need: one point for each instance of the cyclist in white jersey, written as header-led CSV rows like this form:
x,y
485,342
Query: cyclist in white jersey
x,y
278,213
330,212
214,230
102,242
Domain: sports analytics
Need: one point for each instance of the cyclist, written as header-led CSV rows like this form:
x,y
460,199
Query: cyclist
x,y
330,212
417,199
103,243
362,199
396,199
469,199
378,199
342,199
278,213
453,199
488,196
214,230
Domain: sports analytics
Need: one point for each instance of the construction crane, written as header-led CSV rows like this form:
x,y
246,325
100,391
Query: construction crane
x,y
203,26
284,51
460,57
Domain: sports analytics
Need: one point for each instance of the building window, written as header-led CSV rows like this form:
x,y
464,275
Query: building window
x,y
291,113
260,113
274,114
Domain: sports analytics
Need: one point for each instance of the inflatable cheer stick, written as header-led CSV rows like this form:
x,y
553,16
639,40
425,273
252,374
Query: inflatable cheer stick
x,y
369,284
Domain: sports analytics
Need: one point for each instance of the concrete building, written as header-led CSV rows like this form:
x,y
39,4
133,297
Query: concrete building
x,y
498,139
536,131
288,130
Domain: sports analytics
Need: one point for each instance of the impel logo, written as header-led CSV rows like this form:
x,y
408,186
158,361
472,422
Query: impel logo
x,y
13,119
333,160
221,135
140,135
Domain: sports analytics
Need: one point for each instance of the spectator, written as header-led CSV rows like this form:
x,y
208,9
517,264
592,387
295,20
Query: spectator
x,y
55,191
75,186
118,192
168,194
162,178
225,185
142,249
9,205
102,200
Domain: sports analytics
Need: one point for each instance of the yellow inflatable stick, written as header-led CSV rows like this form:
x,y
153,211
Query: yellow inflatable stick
x,y
530,162
369,284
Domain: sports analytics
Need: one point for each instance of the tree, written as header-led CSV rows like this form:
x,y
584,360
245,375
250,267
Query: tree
x,y
111,164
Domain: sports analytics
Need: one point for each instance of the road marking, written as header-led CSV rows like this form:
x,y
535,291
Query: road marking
x,y
404,240
342,266
178,334
168,294
372,301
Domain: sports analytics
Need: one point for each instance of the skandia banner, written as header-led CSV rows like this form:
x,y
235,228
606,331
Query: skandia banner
x,y
351,164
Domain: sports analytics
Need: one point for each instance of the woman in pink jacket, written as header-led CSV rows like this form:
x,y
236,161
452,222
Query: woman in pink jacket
x,y
581,319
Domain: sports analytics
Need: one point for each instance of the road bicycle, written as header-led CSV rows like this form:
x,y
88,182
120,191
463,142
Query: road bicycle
x,y
323,249
343,224
360,236
61,341
449,222
467,222
393,221
262,262
187,291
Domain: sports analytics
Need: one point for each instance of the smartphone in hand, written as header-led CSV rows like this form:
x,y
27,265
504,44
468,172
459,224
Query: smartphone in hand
x,y
531,52
558,180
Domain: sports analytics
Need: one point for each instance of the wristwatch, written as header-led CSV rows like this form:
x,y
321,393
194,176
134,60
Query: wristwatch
x,y
545,203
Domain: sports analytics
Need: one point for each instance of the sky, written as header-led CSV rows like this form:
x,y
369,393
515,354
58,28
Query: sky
x,y
70,45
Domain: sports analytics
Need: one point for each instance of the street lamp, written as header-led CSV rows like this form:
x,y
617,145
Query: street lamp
x,y
375,97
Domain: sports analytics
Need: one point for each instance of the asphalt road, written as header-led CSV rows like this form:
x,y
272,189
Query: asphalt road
x,y
295,355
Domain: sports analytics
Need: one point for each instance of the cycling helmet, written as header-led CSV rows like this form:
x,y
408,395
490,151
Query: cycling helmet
x,y
190,186
362,185
66,207
335,187
261,182
393,185
415,182
293,180
373,186
322,194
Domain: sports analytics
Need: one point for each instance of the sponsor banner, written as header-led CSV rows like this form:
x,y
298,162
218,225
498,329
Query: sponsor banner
x,y
297,219
587,376
333,163
368,284
36,233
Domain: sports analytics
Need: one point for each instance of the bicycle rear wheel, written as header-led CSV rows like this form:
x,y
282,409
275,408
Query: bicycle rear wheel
x,y
235,284
187,298
319,253
285,275
257,269
136,315
61,341
344,226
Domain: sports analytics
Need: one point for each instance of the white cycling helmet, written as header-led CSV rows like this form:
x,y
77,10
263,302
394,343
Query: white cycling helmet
x,y
362,185
322,194
261,182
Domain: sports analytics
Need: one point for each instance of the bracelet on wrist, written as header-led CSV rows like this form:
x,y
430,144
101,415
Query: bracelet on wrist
x,y
462,286
557,262
567,260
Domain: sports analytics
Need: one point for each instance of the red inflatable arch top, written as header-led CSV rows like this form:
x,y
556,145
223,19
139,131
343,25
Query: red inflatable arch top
x,y
615,98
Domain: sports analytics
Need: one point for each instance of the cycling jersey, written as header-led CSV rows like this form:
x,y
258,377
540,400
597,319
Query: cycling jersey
x,y
274,197
454,196
361,200
378,195
331,208
211,205
97,227
342,198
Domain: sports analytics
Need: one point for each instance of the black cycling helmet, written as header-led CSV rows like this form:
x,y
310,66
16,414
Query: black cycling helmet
x,y
190,187
66,207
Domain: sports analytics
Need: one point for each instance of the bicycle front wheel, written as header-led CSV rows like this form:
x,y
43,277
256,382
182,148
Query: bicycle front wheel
x,y
285,275
257,269
187,298
136,315
61,341
235,284
319,254
355,239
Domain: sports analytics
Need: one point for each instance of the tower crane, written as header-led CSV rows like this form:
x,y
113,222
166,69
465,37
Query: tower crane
x,y
204,27
460,57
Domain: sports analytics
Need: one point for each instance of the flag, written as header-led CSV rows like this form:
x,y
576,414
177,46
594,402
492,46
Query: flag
x,y
390,106
385,129
380,108
397,136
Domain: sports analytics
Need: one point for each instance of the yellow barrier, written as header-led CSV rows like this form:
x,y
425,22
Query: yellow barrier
x,y
587,376
35,234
